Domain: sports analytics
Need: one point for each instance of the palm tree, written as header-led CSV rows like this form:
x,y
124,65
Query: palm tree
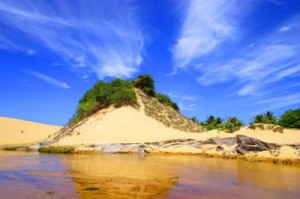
x,y
233,124
270,118
210,119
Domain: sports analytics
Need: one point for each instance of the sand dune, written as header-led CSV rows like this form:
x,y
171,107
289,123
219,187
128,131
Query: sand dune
x,y
15,131
130,125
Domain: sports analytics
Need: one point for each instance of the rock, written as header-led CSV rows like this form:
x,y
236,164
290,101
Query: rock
x,y
219,148
248,144
116,148
144,149
227,141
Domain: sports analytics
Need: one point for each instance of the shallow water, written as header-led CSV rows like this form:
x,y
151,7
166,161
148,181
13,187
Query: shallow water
x,y
33,175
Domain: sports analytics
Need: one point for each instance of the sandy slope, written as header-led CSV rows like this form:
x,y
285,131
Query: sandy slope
x,y
14,131
129,125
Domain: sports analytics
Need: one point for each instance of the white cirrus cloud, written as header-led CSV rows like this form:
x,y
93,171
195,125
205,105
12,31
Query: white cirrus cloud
x,y
47,79
271,61
103,38
206,24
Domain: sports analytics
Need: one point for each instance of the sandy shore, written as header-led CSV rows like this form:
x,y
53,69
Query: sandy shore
x,y
15,131
126,130
129,125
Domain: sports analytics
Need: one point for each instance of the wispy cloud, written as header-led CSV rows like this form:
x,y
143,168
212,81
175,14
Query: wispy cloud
x,y
10,46
281,101
270,61
102,38
187,107
181,96
48,79
205,26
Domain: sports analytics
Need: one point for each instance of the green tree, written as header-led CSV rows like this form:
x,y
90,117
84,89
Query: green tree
x,y
233,124
213,122
290,119
258,118
146,84
266,118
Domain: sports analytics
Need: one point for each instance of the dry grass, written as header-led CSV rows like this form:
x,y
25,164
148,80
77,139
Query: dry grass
x,y
167,115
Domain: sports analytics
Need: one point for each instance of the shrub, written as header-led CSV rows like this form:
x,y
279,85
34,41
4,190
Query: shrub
x,y
213,122
266,118
119,92
290,119
233,124
124,97
146,84
166,100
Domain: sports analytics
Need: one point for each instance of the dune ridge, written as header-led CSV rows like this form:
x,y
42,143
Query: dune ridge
x,y
16,131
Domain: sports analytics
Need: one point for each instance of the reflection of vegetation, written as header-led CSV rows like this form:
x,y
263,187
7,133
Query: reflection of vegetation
x,y
57,149
290,119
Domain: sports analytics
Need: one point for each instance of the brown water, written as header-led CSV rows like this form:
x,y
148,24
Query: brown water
x,y
33,175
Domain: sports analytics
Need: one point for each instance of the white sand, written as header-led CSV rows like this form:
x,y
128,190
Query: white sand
x,y
129,125
14,131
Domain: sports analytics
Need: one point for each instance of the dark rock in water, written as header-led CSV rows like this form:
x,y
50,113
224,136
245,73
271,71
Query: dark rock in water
x,y
248,144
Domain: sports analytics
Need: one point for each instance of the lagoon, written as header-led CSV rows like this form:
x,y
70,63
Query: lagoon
x,y
35,175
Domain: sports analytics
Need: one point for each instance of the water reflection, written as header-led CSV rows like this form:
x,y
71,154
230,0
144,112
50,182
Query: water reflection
x,y
33,175
174,176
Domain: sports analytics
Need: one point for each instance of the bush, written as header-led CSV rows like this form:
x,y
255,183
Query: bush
x,y
266,118
124,97
233,124
290,119
213,122
146,84
119,92
166,100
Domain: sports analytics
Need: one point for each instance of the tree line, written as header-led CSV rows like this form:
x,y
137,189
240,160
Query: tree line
x,y
289,119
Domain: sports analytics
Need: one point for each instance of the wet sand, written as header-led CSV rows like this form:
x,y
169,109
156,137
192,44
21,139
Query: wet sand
x,y
131,176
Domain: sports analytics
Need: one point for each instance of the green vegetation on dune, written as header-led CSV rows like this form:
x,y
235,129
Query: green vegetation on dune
x,y
146,84
266,118
118,93
290,119
229,125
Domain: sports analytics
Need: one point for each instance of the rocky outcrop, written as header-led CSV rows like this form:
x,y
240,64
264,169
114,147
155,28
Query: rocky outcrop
x,y
239,147
248,144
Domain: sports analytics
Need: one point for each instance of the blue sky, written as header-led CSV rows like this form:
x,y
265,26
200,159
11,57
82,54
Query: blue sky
x,y
215,57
